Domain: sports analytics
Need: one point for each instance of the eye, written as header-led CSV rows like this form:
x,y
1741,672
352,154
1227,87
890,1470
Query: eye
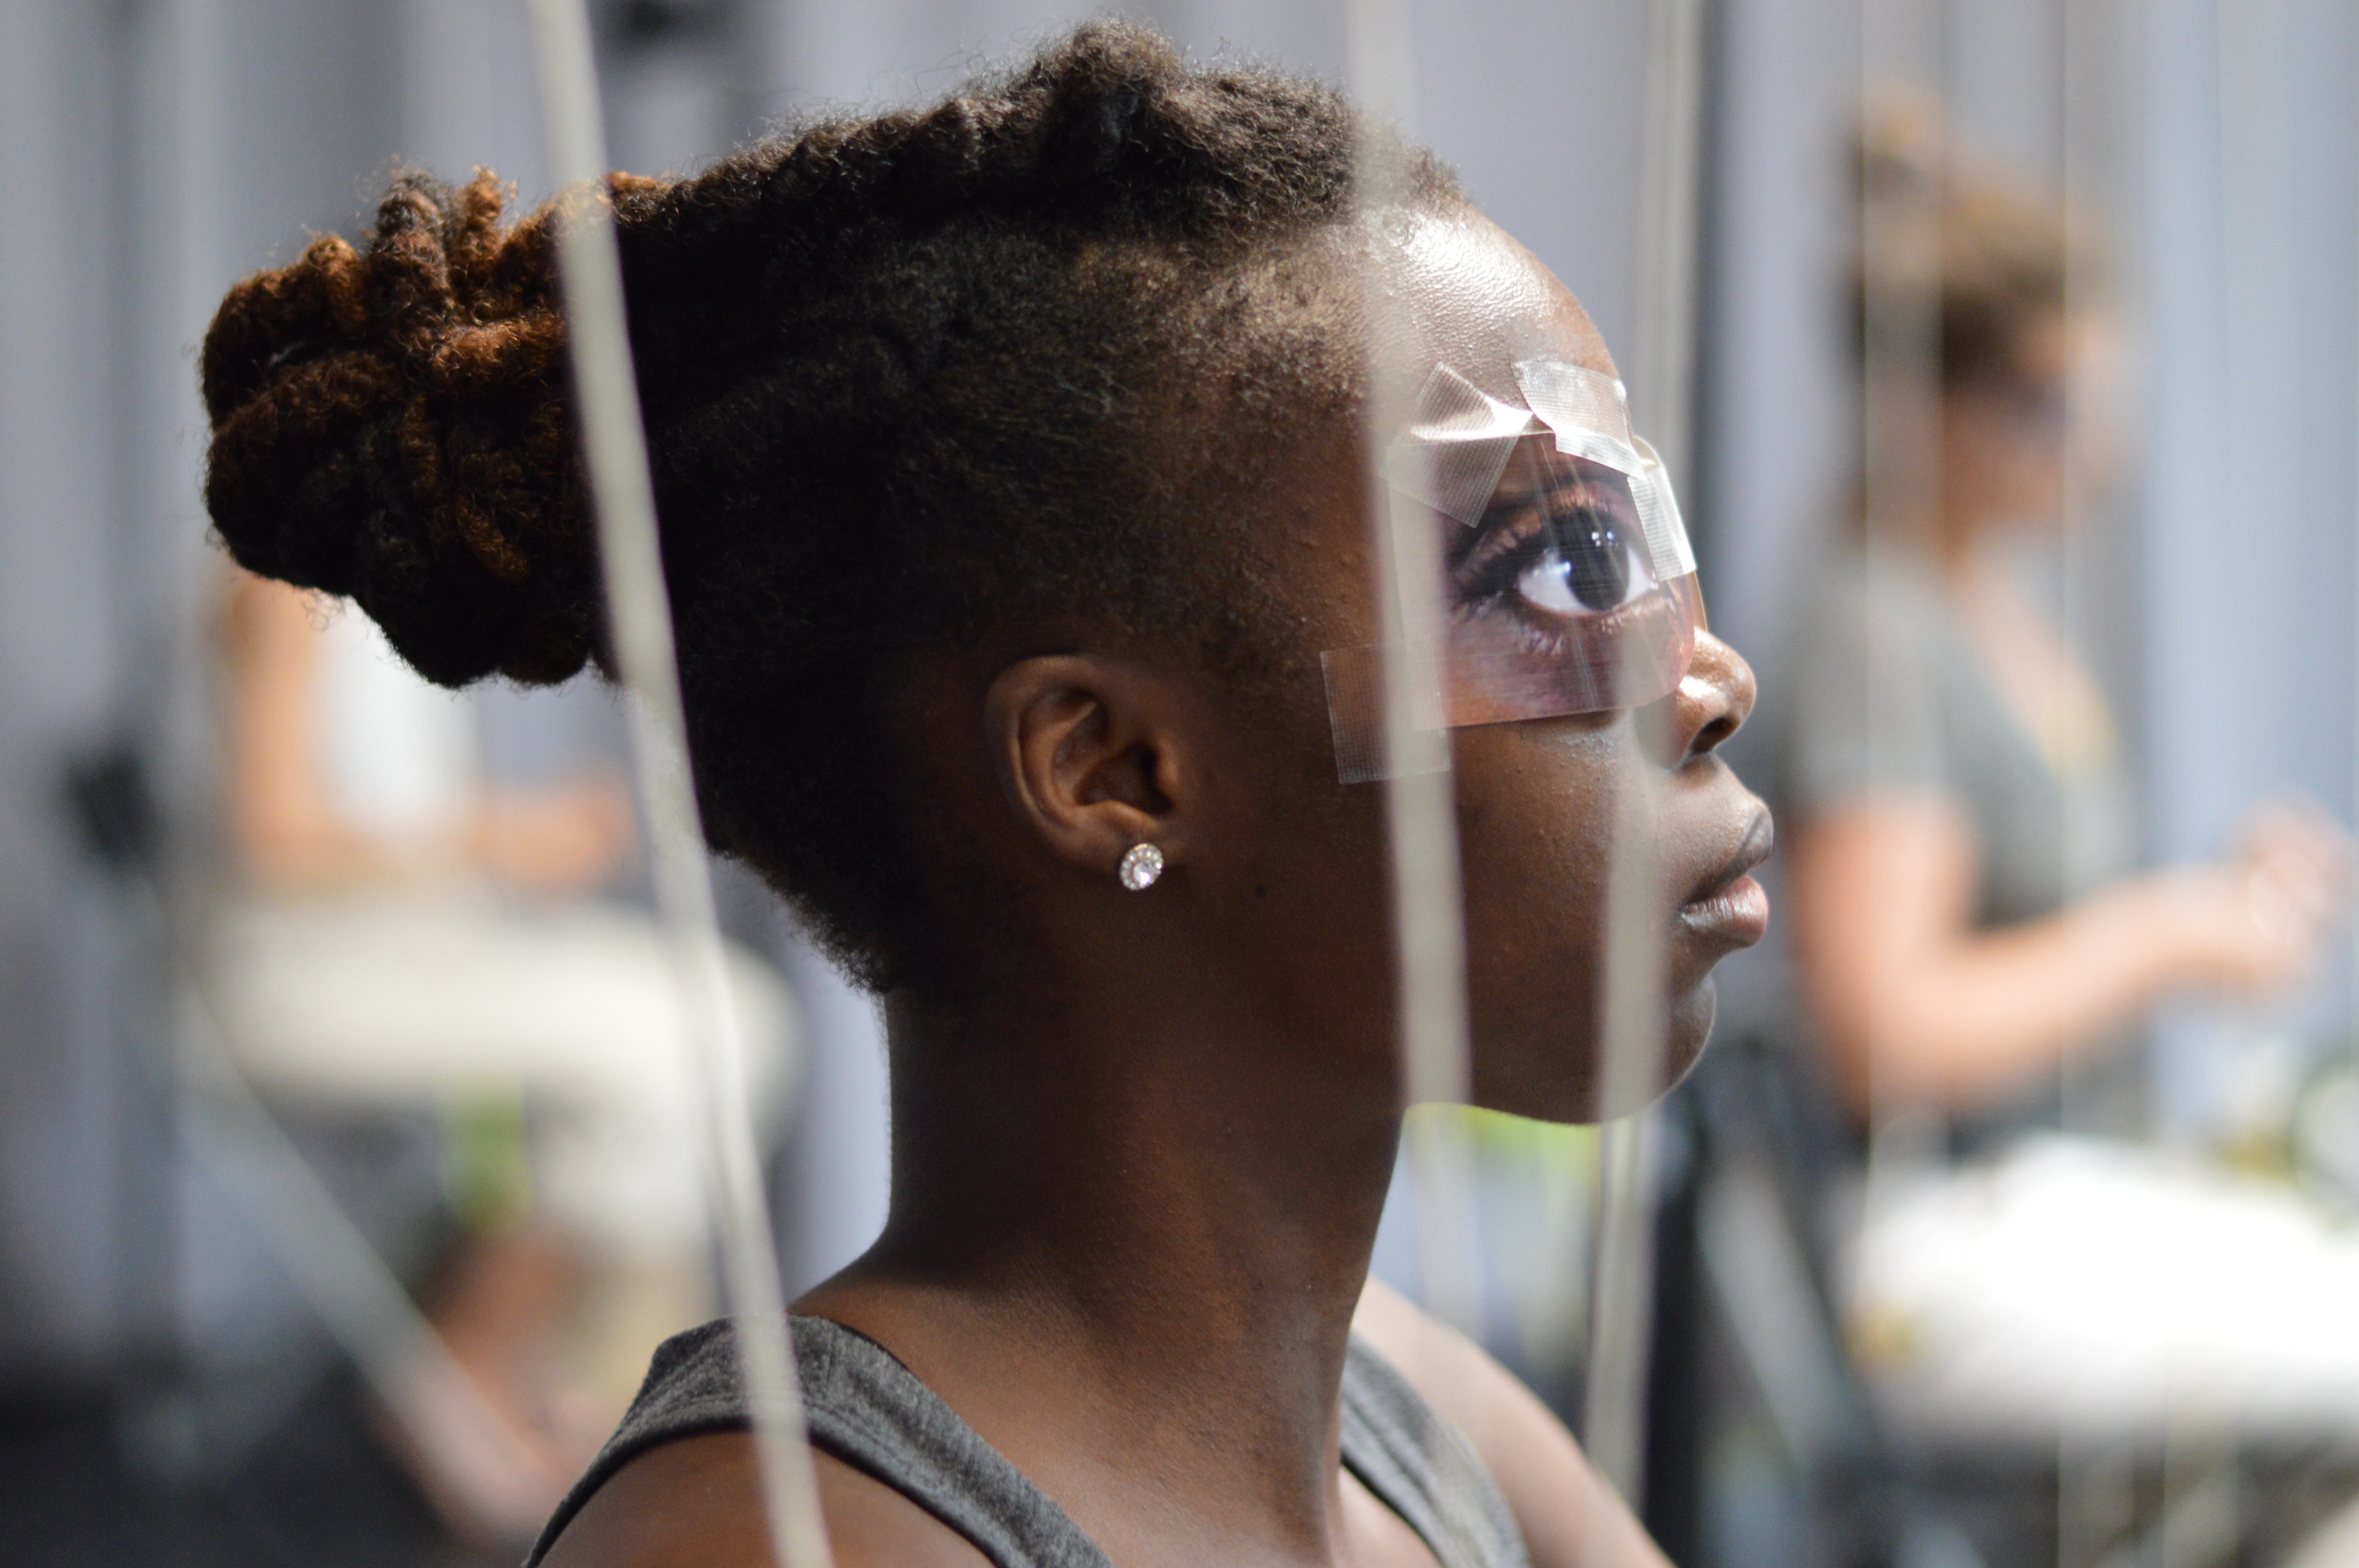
x,y
1559,541
1584,564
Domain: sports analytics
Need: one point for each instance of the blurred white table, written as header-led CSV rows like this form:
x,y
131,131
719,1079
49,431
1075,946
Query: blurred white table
x,y
2079,1288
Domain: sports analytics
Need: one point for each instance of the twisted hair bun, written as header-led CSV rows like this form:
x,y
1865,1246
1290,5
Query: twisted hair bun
x,y
392,423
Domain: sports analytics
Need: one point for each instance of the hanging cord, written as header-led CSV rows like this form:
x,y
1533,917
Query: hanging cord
x,y
614,442
1621,1340
1421,791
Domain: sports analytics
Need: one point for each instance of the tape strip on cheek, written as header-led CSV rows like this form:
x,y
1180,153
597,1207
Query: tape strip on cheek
x,y
1355,716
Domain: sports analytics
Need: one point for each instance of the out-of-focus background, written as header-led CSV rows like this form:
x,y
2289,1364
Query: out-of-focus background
x,y
2101,1307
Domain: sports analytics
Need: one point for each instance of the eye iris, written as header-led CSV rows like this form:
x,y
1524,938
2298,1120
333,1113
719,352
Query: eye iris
x,y
1592,558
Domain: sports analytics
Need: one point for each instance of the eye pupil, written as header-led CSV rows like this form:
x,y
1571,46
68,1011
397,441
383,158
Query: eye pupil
x,y
1594,562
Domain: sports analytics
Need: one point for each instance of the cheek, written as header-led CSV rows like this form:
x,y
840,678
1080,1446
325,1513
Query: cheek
x,y
1536,823
1537,816
1302,871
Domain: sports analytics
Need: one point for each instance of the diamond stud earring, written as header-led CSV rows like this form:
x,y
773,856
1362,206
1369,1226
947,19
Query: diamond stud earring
x,y
1141,867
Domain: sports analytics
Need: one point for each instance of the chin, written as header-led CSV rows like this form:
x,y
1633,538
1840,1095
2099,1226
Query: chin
x,y
1687,1029
1689,1033
1547,1093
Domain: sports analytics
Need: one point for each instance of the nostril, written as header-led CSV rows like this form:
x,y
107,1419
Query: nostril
x,y
1712,734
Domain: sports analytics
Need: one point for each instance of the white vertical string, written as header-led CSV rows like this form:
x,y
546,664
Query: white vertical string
x,y
2091,1476
1421,791
1632,1057
1670,212
1901,47
614,443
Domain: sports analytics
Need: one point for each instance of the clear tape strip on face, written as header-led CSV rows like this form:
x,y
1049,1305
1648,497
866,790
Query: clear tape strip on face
x,y
1616,626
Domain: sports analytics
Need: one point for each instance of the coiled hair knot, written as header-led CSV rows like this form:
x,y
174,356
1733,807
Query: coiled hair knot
x,y
391,424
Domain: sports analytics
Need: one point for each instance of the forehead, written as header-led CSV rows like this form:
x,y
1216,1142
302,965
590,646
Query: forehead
x,y
1463,293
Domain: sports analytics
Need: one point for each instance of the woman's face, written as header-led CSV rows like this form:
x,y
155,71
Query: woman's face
x,y
1549,808
2014,451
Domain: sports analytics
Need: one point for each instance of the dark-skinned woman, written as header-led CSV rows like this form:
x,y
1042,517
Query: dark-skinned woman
x,y
1011,458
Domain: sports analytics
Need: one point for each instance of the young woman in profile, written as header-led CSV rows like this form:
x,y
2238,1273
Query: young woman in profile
x,y
1010,455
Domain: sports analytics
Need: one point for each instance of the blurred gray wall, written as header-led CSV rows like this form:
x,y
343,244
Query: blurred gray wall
x,y
59,636
2248,246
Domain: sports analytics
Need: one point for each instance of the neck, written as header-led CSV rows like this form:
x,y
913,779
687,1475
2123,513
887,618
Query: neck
x,y
1127,1239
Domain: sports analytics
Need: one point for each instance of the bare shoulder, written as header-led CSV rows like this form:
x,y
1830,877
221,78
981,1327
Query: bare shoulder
x,y
697,1504
1568,1515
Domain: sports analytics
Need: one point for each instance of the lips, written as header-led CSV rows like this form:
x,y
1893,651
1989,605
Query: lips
x,y
1732,907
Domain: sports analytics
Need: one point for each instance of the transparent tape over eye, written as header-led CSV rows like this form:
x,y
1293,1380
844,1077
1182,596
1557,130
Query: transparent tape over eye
x,y
1568,579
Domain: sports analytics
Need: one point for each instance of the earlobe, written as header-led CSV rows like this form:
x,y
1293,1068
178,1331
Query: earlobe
x,y
1085,762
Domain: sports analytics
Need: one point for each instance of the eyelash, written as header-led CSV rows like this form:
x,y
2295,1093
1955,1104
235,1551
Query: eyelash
x,y
1511,537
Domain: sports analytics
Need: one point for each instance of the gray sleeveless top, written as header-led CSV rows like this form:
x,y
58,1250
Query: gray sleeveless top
x,y
869,1410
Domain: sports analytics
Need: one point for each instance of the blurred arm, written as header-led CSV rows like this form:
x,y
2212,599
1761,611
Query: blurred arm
x,y
1882,892
283,814
1570,1518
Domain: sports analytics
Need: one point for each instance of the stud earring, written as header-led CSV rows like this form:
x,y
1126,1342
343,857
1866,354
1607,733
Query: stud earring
x,y
1141,867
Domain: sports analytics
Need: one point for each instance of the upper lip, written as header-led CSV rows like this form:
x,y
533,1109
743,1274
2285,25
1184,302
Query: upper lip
x,y
1760,837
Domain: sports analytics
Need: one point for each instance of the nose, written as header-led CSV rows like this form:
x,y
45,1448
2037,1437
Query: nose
x,y
1714,699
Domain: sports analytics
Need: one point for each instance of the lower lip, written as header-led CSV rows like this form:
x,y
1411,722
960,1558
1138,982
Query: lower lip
x,y
1737,913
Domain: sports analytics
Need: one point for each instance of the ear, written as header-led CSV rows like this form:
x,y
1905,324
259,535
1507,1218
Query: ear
x,y
1092,754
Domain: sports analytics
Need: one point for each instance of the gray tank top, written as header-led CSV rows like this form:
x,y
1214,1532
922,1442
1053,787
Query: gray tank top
x,y
870,1412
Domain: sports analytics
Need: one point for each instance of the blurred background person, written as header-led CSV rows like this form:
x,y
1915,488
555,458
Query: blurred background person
x,y
404,937
1959,824
1928,1201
